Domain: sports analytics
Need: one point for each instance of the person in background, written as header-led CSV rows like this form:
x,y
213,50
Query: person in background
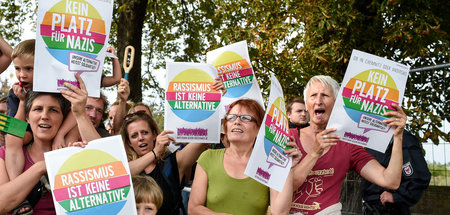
x,y
3,110
415,179
5,55
140,106
326,160
297,114
148,195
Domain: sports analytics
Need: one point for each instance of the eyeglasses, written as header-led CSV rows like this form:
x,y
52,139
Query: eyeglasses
x,y
243,118
137,113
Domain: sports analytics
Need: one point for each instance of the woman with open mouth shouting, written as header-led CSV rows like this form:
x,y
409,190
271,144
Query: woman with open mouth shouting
x,y
148,156
319,175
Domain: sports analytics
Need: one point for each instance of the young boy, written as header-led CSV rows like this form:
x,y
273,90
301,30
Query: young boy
x,y
148,195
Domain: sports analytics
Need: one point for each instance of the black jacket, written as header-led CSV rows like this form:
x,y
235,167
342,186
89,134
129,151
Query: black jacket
x,y
415,176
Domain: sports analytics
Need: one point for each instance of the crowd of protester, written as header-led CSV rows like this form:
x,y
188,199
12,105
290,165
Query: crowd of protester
x,y
72,118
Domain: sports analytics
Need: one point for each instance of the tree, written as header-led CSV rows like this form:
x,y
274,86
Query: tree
x,y
293,39
131,17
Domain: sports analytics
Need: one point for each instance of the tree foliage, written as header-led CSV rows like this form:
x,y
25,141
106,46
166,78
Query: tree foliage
x,y
293,39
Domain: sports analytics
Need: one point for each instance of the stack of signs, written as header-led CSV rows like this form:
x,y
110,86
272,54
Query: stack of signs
x,y
234,67
192,103
370,86
91,180
268,164
71,36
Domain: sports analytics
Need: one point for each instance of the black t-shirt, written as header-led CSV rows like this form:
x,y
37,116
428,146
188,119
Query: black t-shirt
x,y
167,177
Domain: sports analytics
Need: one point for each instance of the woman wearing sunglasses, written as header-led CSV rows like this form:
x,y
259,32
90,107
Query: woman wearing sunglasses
x,y
220,184
147,155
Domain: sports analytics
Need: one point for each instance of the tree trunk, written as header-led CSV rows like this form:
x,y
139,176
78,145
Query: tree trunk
x,y
129,32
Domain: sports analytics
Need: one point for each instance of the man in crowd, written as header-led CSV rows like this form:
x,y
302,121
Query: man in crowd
x,y
297,114
95,109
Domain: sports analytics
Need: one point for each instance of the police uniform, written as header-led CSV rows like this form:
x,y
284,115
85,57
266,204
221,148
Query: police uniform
x,y
415,179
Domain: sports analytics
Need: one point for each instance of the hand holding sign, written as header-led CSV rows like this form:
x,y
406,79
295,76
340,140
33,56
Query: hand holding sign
x,y
398,119
76,96
293,152
325,140
128,60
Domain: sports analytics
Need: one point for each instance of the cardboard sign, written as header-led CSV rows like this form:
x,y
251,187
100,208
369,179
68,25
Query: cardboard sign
x,y
91,180
71,37
234,67
268,164
371,85
192,105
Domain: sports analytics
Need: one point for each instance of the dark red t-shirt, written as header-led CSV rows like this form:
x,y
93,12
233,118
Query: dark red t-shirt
x,y
322,187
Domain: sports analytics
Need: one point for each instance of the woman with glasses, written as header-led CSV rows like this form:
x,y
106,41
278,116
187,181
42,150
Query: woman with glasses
x,y
147,155
220,184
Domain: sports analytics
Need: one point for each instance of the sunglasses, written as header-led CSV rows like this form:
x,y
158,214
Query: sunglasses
x,y
137,113
243,118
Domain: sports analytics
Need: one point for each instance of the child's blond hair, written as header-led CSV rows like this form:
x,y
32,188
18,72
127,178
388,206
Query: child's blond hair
x,y
147,190
24,48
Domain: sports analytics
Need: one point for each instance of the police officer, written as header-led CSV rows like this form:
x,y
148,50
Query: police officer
x,y
415,179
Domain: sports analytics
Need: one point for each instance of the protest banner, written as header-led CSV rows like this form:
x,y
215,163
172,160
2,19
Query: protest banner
x,y
192,106
91,180
268,164
71,37
371,85
234,67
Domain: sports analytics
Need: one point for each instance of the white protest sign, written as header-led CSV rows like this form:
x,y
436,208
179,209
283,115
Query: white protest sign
x,y
91,180
192,106
235,69
71,37
371,85
268,164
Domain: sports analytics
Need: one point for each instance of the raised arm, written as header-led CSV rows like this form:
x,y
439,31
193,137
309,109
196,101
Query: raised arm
x,y
218,85
188,155
138,165
305,166
389,177
15,160
123,91
78,97
280,202
108,81
5,55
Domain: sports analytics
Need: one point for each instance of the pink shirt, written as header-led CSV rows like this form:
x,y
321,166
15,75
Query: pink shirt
x,y
45,205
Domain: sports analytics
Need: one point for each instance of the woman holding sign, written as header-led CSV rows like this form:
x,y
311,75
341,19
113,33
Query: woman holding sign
x,y
146,151
220,184
44,112
326,160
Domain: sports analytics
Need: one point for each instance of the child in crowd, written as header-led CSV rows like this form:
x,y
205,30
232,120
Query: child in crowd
x,y
23,59
148,195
